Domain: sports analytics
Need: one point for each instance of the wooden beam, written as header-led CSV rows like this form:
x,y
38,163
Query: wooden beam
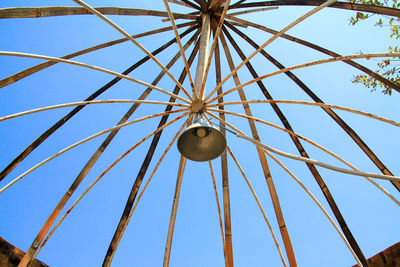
x,y
267,174
39,12
395,12
203,55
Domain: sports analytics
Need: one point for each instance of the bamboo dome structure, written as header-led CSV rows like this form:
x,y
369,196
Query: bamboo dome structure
x,y
94,97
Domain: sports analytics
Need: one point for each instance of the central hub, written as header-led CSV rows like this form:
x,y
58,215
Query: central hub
x,y
198,106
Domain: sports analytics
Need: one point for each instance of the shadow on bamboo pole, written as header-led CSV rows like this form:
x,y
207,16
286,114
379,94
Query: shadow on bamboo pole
x,y
146,162
303,153
63,120
267,174
330,112
228,248
28,256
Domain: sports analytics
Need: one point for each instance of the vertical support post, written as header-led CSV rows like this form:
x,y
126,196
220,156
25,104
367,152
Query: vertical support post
x,y
203,56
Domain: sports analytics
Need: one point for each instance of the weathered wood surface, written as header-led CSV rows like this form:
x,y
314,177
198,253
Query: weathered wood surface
x,y
10,255
38,12
389,257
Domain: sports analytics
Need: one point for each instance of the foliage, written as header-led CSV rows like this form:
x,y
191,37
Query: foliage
x,y
388,68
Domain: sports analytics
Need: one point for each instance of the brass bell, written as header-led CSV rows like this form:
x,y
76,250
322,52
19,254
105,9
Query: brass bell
x,y
201,141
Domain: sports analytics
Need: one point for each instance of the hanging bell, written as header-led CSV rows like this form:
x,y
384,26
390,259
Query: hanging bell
x,y
201,141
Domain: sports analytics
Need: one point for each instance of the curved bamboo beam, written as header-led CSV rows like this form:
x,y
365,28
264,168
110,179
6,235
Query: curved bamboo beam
x,y
39,12
341,5
219,211
181,169
32,70
63,120
80,64
139,178
296,135
252,11
178,40
105,172
277,35
307,44
84,103
306,103
320,207
319,163
263,160
308,64
84,141
228,248
119,29
259,206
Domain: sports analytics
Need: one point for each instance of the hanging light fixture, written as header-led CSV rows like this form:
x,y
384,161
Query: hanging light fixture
x,y
201,141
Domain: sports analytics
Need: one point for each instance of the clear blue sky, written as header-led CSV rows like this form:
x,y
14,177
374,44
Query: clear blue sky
x,y
83,238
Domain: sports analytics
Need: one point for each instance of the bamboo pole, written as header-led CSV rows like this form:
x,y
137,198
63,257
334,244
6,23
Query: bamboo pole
x,y
192,4
320,207
63,120
307,44
267,174
219,211
178,40
259,206
294,136
128,207
36,12
224,166
181,169
308,64
277,35
179,3
84,103
341,5
32,70
203,54
106,171
80,64
217,31
119,29
84,141
306,103
252,11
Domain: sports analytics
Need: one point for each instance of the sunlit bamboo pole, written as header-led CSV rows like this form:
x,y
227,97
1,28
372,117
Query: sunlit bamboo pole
x,y
178,40
259,206
106,171
306,103
320,206
179,3
291,25
76,63
219,211
83,103
85,140
371,73
264,164
32,70
312,143
308,64
203,55
115,26
181,169
214,43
